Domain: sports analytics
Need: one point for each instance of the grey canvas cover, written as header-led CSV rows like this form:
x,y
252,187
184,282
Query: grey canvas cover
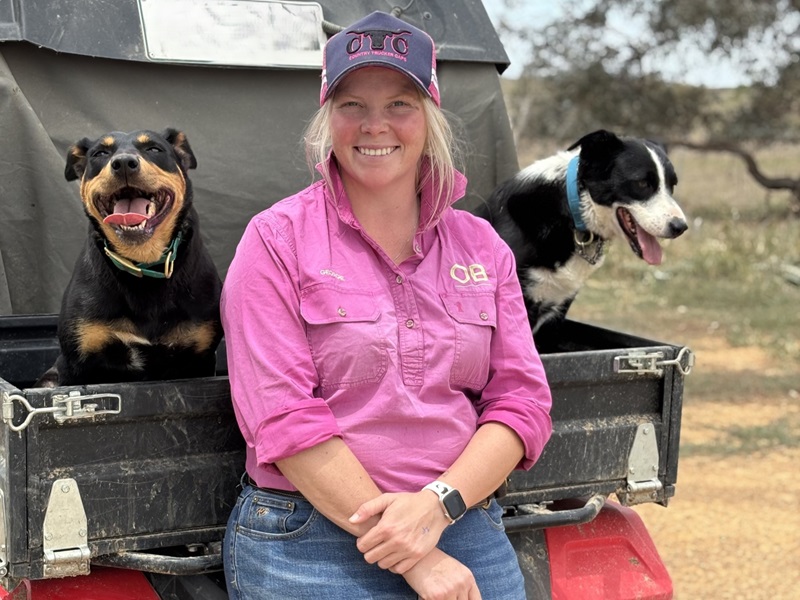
x,y
63,78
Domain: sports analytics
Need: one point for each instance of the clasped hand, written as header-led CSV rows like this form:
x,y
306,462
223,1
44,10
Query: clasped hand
x,y
409,528
404,542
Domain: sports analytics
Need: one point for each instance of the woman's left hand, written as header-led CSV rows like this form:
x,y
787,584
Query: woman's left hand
x,y
409,528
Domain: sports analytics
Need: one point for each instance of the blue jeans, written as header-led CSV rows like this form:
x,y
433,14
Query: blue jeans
x,y
280,547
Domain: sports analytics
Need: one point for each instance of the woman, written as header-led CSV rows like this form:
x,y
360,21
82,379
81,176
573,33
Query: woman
x,y
381,366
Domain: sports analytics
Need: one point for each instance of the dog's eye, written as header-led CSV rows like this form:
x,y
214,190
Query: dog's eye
x,y
154,149
100,153
643,183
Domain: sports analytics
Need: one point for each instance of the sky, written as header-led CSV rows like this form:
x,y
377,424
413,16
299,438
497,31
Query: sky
x,y
692,67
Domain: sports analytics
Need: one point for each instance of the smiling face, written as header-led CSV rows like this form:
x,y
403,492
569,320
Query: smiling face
x,y
629,183
133,185
378,130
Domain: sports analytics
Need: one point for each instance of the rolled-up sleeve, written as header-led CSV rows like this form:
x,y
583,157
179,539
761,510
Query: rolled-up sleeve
x,y
517,393
270,367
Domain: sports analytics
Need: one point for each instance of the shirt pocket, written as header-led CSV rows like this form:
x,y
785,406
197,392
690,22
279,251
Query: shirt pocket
x,y
344,334
474,318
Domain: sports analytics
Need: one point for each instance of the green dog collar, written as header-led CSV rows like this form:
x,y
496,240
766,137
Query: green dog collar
x,y
144,269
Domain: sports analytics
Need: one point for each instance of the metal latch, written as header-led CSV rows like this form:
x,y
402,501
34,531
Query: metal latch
x,y
66,537
643,484
65,406
652,363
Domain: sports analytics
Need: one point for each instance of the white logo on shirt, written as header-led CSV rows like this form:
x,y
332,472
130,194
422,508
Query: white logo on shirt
x,y
475,273
333,274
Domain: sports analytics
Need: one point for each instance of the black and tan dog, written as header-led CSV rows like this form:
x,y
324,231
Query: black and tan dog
x,y
143,300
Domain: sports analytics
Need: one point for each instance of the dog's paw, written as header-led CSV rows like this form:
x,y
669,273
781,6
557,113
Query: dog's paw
x,y
49,379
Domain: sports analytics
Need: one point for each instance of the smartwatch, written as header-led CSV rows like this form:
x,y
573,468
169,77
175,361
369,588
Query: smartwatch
x,y
450,499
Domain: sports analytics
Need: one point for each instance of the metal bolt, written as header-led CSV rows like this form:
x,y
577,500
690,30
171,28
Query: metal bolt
x,y
65,488
82,532
48,536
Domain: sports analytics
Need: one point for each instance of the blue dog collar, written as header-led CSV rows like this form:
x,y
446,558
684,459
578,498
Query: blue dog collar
x,y
573,195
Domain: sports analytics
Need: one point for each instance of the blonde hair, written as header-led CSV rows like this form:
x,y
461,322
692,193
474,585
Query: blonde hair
x,y
441,149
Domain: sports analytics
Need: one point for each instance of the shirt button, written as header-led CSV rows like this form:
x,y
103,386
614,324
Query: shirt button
x,y
417,248
410,323
484,316
342,312
399,279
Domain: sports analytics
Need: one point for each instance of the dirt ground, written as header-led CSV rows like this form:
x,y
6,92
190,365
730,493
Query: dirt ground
x,y
732,531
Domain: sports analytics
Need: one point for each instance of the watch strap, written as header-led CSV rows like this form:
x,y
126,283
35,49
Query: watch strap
x,y
440,488
445,492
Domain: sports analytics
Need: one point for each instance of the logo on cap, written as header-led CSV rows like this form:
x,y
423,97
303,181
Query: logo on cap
x,y
378,39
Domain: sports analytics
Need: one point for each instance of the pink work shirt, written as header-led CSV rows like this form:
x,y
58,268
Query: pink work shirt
x,y
327,337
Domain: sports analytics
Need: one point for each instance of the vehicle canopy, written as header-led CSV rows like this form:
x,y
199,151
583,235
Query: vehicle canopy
x,y
239,78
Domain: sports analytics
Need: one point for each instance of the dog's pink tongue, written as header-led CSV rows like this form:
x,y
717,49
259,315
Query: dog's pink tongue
x,y
128,212
651,250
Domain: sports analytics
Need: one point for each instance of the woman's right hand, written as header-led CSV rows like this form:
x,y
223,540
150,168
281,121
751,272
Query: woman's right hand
x,y
438,576
409,528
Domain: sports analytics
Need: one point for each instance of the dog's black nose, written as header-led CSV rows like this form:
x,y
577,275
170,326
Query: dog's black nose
x,y
677,226
125,163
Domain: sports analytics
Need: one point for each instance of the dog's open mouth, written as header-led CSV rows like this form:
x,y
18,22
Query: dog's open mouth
x,y
131,209
643,244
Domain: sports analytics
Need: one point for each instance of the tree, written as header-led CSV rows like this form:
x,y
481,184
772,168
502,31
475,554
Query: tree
x,y
617,64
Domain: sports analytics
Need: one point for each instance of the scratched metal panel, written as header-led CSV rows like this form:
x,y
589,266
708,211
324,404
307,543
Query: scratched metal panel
x,y
164,472
596,412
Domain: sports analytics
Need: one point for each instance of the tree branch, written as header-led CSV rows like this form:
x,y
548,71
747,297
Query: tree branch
x,y
771,183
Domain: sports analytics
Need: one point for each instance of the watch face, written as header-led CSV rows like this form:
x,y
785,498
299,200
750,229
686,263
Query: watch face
x,y
454,504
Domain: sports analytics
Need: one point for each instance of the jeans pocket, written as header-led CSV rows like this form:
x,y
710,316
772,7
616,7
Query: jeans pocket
x,y
494,515
274,516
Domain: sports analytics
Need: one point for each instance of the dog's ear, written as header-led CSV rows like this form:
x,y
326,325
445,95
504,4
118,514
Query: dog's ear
x,y
600,140
599,146
76,159
595,134
598,151
181,146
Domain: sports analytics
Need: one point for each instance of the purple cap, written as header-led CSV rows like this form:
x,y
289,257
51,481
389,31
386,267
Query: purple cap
x,y
380,40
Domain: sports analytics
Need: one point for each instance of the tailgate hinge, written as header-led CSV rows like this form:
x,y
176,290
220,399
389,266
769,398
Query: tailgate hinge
x,y
66,537
653,363
643,484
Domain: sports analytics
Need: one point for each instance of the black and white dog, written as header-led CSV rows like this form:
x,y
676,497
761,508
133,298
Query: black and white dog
x,y
559,213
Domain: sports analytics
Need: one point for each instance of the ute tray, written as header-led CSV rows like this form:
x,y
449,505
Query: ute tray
x,y
161,467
